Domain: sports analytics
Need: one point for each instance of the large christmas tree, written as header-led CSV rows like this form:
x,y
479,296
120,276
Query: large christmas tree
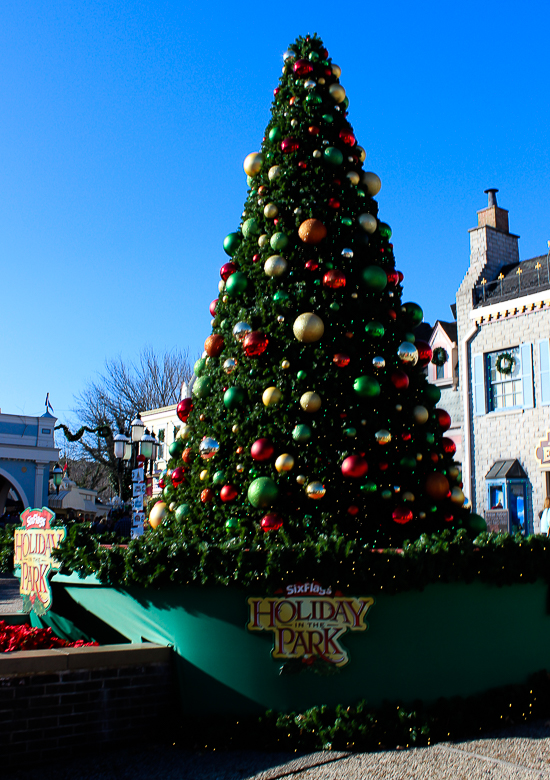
x,y
311,415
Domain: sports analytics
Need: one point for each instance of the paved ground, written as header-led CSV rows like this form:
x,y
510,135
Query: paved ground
x,y
10,600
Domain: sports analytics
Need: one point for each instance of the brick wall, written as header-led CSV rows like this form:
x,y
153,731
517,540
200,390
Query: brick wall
x,y
78,699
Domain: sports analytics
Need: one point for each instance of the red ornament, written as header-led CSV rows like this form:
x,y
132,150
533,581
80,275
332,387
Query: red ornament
x,y
424,353
183,409
383,466
187,456
313,130
207,495
262,449
312,265
353,510
402,515
435,457
393,277
289,145
262,190
400,380
255,343
406,436
228,493
347,137
177,476
354,466
226,270
334,279
392,314
334,203
449,447
255,258
271,522
324,54
341,360
276,90
161,483
213,345
213,307
292,100
401,277
302,67
302,164
443,418
448,518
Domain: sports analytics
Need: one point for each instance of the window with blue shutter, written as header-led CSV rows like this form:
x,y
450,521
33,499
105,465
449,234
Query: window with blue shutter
x,y
544,371
526,367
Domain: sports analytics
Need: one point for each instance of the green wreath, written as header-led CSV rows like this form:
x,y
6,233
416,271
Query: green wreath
x,y
505,363
440,356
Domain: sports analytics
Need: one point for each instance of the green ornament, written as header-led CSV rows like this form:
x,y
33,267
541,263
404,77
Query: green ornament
x,y
361,193
313,56
301,374
335,306
182,511
168,492
333,155
351,433
231,523
374,277
262,493
231,243
280,296
201,386
374,329
249,181
475,523
275,135
386,494
346,221
301,433
236,284
233,397
367,387
413,314
328,118
278,241
329,265
408,462
432,394
313,99
176,448
410,337
218,478
199,366
345,103
250,228
384,230
369,487
430,438
253,472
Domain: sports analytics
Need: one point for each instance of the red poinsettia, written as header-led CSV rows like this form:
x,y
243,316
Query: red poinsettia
x,y
27,638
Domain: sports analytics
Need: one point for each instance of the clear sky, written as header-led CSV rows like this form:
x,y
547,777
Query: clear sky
x,y
124,126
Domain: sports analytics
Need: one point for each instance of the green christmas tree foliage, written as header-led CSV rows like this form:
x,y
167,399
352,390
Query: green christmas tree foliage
x,y
311,413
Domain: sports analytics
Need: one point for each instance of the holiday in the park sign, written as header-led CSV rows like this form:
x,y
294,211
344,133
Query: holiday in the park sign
x,y
35,543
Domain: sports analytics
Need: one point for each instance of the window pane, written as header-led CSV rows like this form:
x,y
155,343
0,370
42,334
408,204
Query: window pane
x,y
505,390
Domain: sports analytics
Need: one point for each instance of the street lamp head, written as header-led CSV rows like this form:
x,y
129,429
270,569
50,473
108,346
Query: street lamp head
x,y
120,442
138,428
147,445
57,476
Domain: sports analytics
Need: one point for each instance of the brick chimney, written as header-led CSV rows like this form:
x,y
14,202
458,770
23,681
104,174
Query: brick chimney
x,y
493,215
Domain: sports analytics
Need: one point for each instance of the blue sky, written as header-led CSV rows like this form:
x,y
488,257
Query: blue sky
x,y
124,127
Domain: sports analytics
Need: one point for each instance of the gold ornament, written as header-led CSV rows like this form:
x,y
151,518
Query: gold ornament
x,y
285,364
337,92
253,163
172,506
457,496
225,298
203,475
308,327
408,496
454,472
157,514
184,432
361,153
271,210
371,183
315,490
221,285
274,172
367,222
263,240
275,266
420,414
310,402
419,456
235,428
422,515
271,396
301,479
284,462
354,177
312,231
321,80
336,70
239,468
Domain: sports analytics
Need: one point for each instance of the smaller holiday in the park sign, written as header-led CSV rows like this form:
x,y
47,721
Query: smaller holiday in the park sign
x,y
35,542
308,622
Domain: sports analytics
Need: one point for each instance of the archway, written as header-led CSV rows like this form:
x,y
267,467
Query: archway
x,y
13,499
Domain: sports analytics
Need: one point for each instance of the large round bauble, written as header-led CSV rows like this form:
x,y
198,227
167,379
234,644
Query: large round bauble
x,y
374,329
275,135
310,402
424,353
157,514
228,493
449,447
312,231
187,455
176,448
278,241
201,386
402,515
262,493
316,490
308,327
371,182
341,360
420,415
334,279
274,172
457,496
301,433
338,93
275,266
333,156
437,486
203,475
367,387
183,409
230,365
185,430
443,419
233,397
236,284
289,145
250,228
255,343
271,210
367,222
412,314
348,138
177,476
182,511
382,436
407,353
253,163
355,466
207,495
213,345
284,462
262,449
199,366
375,278
302,68
399,380
208,448
271,396
231,243
475,523
271,522
212,307
240,330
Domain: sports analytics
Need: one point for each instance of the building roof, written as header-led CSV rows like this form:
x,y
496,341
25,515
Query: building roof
x,y
514,280
506,469
449,328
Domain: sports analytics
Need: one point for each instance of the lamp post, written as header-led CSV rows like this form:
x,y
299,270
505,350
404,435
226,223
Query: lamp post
x,y
138,449
57,476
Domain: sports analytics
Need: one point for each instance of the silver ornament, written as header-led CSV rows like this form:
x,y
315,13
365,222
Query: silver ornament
x,y
289,55
382,436
230,365
208,448
280,318
378,362
317,153
407,353
240,330
347,253
309,84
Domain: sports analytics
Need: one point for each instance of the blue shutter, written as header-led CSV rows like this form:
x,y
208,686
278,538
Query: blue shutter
x,y
478,384
544,371
527,375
